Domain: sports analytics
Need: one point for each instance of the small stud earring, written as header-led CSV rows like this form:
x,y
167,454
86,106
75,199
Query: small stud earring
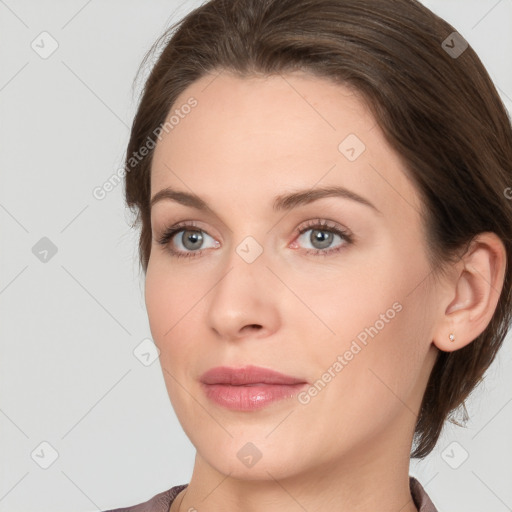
x,y
452,337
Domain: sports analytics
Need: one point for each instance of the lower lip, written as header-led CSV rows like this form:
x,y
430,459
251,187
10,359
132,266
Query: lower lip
x,y
250,397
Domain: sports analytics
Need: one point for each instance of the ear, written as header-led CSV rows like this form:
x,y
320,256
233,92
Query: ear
x,y
470,297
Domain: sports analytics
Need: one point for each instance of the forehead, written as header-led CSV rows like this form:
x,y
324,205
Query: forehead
x,y
261,136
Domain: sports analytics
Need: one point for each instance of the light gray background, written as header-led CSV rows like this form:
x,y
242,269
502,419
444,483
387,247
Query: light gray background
x,y
69,326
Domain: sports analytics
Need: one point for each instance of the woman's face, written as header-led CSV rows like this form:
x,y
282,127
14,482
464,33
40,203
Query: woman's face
x,y
351,315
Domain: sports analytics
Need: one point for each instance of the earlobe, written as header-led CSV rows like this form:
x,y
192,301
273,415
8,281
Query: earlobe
x,y
477,287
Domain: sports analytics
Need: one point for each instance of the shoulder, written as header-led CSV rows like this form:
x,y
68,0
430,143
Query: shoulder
x,y
158,503
421,498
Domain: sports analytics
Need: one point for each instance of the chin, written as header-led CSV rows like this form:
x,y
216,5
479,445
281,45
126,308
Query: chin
x,y
250,454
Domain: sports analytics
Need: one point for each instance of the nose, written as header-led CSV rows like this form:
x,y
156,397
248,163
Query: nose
x,y
244,301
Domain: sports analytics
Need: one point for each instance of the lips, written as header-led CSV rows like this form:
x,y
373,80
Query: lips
x,y
246,376
249,388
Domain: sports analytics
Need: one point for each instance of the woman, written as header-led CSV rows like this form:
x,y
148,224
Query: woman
x,y
326,241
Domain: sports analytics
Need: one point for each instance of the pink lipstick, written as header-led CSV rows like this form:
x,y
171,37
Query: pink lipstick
x,y
248,388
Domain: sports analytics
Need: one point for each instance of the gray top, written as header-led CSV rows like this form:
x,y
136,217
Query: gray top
x,y
162,501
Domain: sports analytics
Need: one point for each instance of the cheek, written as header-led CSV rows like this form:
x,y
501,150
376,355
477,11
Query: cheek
x,y
378,330
175,309
169,323
167,305
350,297
169,299
157,305
366,382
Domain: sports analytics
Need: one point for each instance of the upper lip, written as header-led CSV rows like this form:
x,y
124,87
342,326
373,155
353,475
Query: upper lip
x,y
247,375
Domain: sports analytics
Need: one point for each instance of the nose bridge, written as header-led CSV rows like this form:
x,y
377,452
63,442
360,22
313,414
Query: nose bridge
x,y
247,265
242,295
250,250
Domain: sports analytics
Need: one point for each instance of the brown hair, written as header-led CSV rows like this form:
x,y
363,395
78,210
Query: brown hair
x,y
439,111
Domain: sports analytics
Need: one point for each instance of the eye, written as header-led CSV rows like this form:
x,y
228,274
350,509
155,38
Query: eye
x,y
188,243
322,236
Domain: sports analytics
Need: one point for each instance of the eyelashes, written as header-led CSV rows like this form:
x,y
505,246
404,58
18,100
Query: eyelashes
x,y
318,226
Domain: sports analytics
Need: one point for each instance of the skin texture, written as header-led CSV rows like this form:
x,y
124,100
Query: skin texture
x,y
247,141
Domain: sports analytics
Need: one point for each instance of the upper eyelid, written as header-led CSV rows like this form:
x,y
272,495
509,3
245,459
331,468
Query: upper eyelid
x,y
308,224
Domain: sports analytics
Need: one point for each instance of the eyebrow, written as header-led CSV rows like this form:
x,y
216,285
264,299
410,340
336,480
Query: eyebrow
x,y
281,202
